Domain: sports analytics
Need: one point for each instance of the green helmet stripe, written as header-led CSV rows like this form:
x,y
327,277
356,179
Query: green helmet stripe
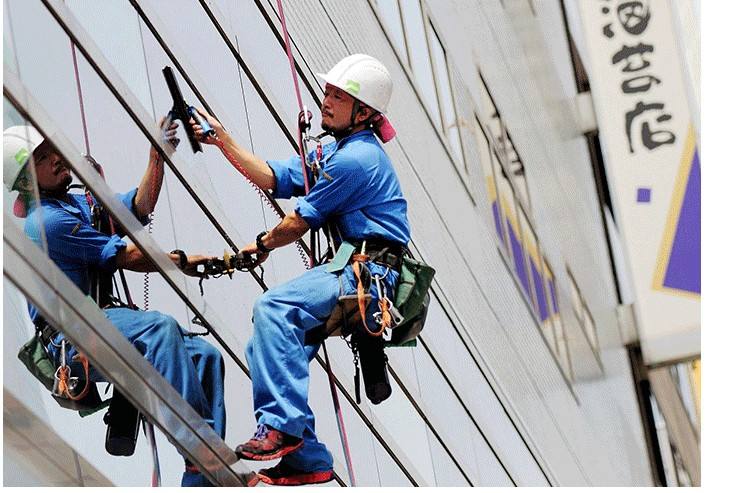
x,y
353,87
22,156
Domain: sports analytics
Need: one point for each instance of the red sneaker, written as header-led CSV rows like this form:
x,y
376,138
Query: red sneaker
x,y
251,478
267,444
285,475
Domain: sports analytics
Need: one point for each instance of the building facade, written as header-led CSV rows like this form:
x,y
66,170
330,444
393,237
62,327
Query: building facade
x,y
521,376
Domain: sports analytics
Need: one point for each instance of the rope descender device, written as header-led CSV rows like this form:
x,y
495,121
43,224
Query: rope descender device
x,y
183,112
305,124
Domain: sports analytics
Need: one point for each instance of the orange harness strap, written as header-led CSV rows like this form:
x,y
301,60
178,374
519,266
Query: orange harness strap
x,y
63,376
357,259
386,320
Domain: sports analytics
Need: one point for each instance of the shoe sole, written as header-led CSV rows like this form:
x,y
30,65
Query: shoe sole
x,y
251,479
279,453
300,479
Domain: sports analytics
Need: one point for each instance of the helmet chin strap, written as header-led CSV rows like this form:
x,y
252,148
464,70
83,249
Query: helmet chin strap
x,y
54,193
339,134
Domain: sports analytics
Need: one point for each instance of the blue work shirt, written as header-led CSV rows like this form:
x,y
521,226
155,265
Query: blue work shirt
x,y
363,199
73,243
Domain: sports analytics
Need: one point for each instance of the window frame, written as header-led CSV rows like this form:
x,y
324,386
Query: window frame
x,y
406,65
502,141
555,316
585,311
430,27
506,253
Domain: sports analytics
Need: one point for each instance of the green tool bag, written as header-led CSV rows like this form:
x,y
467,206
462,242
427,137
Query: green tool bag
x,y
411,300
37,360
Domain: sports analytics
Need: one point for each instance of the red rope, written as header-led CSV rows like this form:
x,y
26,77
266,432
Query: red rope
x,y
96,165
265,198
330,375
289,55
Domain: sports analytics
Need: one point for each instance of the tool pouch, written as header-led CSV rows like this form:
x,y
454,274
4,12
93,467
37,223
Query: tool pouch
x,y
34,355
36,359
411,300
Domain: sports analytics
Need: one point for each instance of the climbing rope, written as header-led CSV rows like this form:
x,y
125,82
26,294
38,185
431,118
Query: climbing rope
x,y
262,195
63,372
304,114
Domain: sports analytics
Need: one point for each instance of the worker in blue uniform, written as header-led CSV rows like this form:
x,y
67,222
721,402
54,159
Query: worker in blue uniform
x,y
359,195
191,365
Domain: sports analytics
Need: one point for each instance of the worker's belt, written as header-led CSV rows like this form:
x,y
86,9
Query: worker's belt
x,y
47,333
383,252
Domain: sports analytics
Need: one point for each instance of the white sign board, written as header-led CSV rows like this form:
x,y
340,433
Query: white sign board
x,y
652,163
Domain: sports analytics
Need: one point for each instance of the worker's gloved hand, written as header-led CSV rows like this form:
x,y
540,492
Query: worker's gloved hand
x,y
169,134
169,131
252,249
191,269
200,136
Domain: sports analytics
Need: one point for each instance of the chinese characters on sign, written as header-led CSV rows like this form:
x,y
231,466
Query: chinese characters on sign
x,y
638,85
634,59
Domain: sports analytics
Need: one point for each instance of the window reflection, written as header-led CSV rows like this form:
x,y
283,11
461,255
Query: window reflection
x,y
449,120
418,55
390,11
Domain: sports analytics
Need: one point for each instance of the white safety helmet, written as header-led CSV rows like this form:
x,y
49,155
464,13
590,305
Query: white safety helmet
x,y
364,78
19,142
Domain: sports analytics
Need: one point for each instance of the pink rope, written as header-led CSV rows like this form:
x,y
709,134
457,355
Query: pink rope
x,y
287,44
330,376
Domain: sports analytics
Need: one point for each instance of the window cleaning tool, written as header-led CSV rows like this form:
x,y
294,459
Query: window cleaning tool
x,y
183,112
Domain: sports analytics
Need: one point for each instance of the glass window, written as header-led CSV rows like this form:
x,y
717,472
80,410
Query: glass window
x,y
590,327
575,298
583,314
487,156
494,120
391,15
520,247
533,261
516,170
528,244
552,305
510,224
418,55
503,142
562,344
449,120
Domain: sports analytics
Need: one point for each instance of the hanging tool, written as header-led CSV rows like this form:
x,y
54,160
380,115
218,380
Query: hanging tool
x,y
217,267
183,112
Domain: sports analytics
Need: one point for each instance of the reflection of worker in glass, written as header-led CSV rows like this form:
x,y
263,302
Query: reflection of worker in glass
x,y
89,256
358,193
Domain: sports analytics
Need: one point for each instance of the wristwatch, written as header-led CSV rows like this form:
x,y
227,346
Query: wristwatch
x,y
183,258
260,243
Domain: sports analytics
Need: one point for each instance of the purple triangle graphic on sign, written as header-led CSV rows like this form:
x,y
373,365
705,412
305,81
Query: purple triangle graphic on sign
x,y
683,268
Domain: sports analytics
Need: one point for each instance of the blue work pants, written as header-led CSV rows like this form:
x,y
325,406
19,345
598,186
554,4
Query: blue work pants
x,y
279,359
191,364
